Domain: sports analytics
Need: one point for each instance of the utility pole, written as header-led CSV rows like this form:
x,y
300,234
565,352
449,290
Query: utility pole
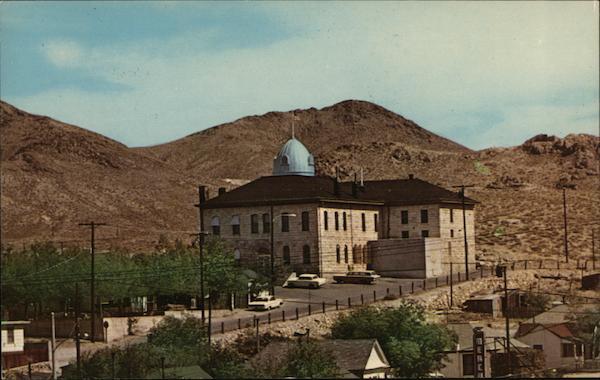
x,y
593,250
564,189
462,197
201,233
501,272
451,286
272,252
93,226
209,317
77,330
53,347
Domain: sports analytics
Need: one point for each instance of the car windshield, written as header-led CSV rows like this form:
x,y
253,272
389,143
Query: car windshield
x,y
306,277
262,298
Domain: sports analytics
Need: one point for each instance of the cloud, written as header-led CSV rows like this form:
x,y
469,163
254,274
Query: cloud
x,y
63,53
467,70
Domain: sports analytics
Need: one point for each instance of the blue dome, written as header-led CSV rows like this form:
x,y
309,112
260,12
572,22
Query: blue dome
x,y
294,159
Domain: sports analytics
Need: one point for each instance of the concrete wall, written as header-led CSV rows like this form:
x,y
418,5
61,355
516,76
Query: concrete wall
x,y
19,342
399,257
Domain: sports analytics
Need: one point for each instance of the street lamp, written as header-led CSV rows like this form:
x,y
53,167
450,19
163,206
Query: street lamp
x,y
273,248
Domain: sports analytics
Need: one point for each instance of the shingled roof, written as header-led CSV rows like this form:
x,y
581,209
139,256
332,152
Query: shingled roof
x,y
303,189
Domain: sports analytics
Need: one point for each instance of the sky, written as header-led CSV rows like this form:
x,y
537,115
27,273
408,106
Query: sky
x,y
480,73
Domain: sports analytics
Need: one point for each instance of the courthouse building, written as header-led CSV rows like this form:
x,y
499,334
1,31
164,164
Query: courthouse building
x,y
317,224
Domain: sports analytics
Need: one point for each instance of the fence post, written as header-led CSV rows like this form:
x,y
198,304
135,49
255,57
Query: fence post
x,y
374,296
424,284
297,316
269,318
557,264
323,307
400,290
283,315
481,271
222,327
309,309
526,264
541,261
349,303
436,282
446,279
337,305
387,291
412,286
458,276
239,323
362,299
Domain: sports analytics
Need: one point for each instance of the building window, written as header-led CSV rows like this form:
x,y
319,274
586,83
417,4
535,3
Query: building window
x,y
305,221
235,225
425,233
424,216
285,223
579,349
285,160
10,336
568,351
538,347
338,258
468,365
363,221
451,233
254,223
325,221
237,255
286,255
344,221
215,223
266,223
306,254
404,216
451,215
337,221
375,222
346,254
404,234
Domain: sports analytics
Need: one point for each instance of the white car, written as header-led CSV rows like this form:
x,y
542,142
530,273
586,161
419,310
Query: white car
x,y
367,273
306,281
265,303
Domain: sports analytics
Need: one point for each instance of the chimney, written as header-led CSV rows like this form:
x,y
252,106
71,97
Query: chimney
x,y
411,176
336,183
202,194
222,191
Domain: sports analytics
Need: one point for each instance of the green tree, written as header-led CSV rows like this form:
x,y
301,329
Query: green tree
x,y
413,346
309,360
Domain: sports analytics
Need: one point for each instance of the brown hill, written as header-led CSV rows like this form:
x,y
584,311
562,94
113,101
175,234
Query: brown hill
x,y
152,188
56,175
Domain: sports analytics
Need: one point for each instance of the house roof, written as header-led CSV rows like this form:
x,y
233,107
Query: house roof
x,y
561,330
14,323
351,355
561,313
464,332
285,189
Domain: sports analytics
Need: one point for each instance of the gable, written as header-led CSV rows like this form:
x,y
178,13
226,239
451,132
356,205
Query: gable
x,y
376,359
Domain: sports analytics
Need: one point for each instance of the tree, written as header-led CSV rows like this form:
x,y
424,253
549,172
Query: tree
x,y
413,346
309,360
587,327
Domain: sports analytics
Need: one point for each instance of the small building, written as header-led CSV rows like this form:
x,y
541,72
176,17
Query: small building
x,y
356,358
590,282
485,304
16,351
460,362
561,348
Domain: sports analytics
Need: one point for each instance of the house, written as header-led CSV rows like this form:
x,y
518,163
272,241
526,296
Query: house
x,y
561,348
460,362
15,351
356,358
494,303
318,224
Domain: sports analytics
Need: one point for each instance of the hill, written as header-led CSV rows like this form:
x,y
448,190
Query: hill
x,y
55,175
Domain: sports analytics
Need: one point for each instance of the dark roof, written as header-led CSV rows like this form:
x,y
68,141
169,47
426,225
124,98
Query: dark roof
x,y
351,355
302,189
561,330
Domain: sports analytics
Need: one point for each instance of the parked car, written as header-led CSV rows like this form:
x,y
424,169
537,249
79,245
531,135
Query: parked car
x,y
306,281
357,277
265,303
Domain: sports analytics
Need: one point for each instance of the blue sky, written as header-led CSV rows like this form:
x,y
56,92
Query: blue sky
x,y
482,74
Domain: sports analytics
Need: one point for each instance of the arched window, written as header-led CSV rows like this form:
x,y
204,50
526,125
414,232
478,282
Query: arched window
x,y
344,221
285,160
325,221
235,225
338,258
346,254
306,254
337,221
286,255
215,223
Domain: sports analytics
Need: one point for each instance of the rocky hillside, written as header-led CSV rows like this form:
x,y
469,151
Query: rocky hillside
x,y
69,173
